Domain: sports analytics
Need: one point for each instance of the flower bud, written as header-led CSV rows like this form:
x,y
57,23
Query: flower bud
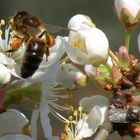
x,y
123,57
5,75
128,12
78,22
88,47
70,77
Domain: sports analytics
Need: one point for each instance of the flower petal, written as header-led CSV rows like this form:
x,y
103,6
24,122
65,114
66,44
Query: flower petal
x,y
8,120
35,116
70,76
88,128
45,120
89,102
15,137
132,5
79,21
5,75
97,100
87,46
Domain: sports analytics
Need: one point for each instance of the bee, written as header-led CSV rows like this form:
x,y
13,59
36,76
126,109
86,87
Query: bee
x,y
29,30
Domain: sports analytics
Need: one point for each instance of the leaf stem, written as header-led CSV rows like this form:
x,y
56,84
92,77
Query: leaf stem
x,y
127,39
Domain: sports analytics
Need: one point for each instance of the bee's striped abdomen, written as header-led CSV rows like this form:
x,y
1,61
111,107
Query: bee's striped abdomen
x,y
32,57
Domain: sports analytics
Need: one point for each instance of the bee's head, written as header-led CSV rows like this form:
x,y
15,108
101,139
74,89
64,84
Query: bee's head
x,y
20,15
17,18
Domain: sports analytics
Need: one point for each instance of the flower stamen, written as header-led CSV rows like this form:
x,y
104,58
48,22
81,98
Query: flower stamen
x,y
71,126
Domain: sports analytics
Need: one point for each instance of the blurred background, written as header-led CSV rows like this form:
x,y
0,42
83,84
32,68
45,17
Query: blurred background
x,y
58,12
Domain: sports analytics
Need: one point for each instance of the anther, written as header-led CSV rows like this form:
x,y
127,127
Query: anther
x,y
2,22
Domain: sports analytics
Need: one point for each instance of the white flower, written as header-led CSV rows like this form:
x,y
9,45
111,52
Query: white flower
x,y
87,45
15,137
128,11
56,52
96,104
7,60
78,22
48,104
70,76
12,121
96,108
12,61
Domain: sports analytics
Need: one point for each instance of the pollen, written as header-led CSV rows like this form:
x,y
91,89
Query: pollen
x,y
2,22
75,113
11,20
70,118
71,131
80,109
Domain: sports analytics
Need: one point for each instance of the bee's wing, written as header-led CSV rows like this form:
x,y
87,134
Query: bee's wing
x,y
55,29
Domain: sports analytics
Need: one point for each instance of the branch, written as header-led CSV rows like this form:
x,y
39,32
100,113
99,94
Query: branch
x,y
104,131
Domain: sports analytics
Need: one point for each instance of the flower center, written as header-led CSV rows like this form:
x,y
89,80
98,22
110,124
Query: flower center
x,y
71,129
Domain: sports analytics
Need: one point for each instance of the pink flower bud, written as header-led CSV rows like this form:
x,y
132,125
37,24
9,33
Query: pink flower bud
x,y
123,57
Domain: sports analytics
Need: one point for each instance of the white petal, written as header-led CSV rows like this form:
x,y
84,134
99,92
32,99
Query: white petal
x,y
76,48
97,46
5,75
15,137
45,74
5,60
138,2
87,46
79,22
68,75
97,100
3,45
45,120
88,128
34,119
102,102
132,5
8,120
58,50
90,70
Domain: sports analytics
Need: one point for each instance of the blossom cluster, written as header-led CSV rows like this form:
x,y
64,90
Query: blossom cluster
x,y
74,61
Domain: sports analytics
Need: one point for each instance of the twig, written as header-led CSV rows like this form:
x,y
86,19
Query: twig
x,y
104,131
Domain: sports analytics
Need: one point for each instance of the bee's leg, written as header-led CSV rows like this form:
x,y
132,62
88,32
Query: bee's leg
x,y
41,35
47,53
16,43
50,41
